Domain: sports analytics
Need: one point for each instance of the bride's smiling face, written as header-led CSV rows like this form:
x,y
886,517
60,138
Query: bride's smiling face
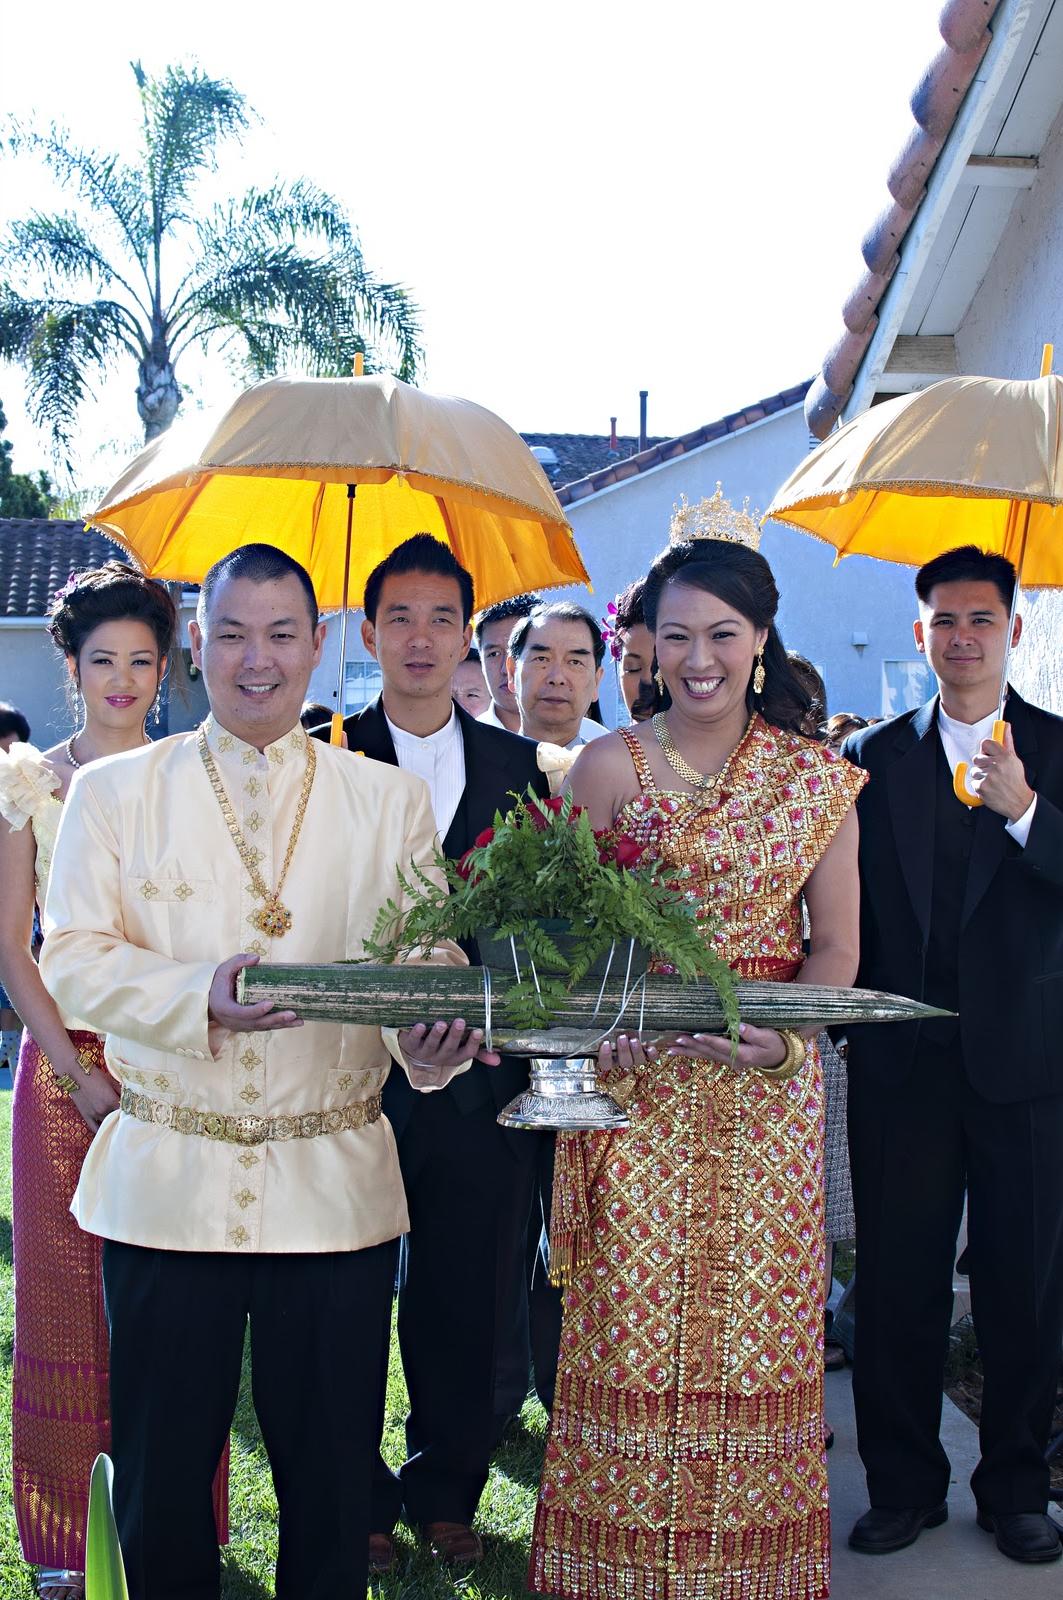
x,y
706,650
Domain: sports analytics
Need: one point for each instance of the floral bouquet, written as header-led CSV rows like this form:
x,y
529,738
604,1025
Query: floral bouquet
x,y
564,900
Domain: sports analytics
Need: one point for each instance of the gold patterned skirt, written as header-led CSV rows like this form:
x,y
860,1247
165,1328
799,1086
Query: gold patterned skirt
x,y
685,1458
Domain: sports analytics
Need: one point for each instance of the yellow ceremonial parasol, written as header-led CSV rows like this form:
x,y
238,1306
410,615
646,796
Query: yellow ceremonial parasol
x,y
965,461
283,466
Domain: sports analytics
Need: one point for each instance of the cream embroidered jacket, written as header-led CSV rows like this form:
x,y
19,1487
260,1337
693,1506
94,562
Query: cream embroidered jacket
x,y
147,896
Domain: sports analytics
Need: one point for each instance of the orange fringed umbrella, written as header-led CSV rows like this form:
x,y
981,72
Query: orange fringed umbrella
x,y
965,461
286,461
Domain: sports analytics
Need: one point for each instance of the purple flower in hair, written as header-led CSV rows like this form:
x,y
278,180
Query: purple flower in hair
x,y
609,633
68,588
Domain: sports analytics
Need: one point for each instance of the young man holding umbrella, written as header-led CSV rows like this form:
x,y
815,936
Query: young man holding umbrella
x,y
962,907
249,1175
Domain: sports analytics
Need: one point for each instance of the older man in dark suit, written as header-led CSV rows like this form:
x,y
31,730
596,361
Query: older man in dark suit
x,y
468,1181
961,907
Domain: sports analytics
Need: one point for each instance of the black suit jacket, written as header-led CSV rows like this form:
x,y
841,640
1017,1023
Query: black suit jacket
x,y
1011,939
498,765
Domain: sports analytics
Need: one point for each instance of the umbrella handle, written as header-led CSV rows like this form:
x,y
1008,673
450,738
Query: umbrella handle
x,y
959,777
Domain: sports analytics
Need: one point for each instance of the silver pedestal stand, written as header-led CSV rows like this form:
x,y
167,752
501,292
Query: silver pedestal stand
x,y
563,1093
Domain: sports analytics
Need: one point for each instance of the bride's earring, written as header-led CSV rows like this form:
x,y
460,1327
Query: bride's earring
x,y
759,674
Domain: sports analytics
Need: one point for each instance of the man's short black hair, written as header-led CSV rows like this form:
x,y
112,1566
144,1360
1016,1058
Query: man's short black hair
x,y
261,563
13,722
564,611
511,610
967,564
420,553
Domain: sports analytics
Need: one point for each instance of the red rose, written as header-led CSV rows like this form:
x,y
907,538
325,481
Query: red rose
x,y
537,810
463,866
483,839
627,853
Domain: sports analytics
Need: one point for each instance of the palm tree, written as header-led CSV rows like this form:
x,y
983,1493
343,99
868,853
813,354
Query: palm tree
x,y
276,276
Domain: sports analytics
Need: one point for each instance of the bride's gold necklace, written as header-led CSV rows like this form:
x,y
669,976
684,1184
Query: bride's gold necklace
x,y
707,781
273,917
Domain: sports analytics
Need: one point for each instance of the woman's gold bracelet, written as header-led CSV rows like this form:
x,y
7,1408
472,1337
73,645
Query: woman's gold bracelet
x,y
66,1083
793,1060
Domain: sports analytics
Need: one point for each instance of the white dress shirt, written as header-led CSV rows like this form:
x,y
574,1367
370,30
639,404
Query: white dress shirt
x,y
439,759
588,728
961,741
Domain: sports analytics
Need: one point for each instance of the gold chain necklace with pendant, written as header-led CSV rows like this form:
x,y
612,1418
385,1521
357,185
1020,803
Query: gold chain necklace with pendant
x,y
707,781
272,918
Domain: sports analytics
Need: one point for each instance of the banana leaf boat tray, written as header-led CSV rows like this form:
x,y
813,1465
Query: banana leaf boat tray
x,y
399,996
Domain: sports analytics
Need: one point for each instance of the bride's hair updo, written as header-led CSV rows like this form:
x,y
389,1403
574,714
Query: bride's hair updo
x,y
741,578
115,592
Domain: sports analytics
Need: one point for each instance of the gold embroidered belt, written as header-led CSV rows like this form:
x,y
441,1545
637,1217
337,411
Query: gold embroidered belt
x,y
249,1130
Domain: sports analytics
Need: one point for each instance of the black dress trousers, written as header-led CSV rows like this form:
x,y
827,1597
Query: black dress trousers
x,y
468,1193
916,1147
177,1322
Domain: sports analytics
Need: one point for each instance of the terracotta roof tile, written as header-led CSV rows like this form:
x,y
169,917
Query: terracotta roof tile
x,y
37,557
579,454
963,25
668,449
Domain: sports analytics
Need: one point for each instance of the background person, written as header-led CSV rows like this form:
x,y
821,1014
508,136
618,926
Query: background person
x,y
491,637
467,686
14,729
838,727
962,908
315,715
555,666
249,1175
632,647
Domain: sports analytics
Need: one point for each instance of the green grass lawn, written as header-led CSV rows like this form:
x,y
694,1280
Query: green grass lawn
x,y
505,1511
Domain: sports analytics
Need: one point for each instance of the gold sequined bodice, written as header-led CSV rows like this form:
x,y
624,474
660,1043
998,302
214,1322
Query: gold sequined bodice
x,y
747,850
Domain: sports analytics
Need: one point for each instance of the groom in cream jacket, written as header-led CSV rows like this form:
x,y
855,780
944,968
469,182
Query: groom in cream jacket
x,y
248,1173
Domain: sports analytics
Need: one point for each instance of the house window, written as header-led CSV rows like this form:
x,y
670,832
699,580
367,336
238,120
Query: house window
x,y
905,685
362,682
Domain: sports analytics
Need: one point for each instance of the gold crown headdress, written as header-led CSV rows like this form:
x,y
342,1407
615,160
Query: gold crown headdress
x,y
714,518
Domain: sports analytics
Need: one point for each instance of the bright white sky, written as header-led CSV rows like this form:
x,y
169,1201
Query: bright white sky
x,y
585,198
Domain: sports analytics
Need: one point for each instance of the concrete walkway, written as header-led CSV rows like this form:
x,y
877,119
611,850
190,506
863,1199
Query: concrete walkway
x,y
955,1562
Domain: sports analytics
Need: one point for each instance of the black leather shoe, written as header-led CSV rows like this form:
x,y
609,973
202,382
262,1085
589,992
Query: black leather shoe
x,y
1023,1535
883,1529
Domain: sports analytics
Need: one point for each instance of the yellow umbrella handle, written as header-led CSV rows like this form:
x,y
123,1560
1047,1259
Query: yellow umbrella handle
x,y
959,777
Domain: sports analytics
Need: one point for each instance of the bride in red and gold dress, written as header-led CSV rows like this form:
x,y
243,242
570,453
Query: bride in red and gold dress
x,y
685,1456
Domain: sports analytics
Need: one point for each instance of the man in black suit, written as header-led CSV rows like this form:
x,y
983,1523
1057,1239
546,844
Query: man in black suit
x,y
468,1181
963,908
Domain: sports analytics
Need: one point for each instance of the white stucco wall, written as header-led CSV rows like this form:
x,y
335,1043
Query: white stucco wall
x,y
32,677
620,529
1019,308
